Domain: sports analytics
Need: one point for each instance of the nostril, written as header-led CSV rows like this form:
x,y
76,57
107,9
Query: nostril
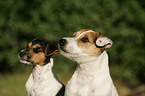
x,y
22,54
62,42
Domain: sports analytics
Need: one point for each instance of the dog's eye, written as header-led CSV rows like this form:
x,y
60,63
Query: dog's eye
x,y
37,50
85,39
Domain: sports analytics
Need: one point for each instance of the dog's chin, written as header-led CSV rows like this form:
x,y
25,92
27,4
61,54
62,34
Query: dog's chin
x,y
64,52
26,62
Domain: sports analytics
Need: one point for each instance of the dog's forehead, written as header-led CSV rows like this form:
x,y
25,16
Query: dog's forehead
x,y
78,33
87,33
36,46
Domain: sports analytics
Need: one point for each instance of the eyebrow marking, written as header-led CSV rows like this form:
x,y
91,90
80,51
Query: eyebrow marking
x,y
36,46
30,44
85,33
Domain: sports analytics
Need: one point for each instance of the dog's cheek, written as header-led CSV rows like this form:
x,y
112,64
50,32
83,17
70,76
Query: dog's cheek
x,y
72,46
89,48
38,58
67,47
92,51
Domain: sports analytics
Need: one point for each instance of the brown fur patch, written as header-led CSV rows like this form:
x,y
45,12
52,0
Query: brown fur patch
x,y
89,47
38,58
36,45
30,44
76,34
38,52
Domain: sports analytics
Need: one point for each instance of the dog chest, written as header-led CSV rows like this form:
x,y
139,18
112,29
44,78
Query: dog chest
x,y
88,85
42,83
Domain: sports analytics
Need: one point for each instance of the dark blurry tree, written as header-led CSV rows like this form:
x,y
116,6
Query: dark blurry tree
x,y
122,21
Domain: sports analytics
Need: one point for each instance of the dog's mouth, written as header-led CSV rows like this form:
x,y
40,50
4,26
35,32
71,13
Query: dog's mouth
x,y
62,48
24,60
68,53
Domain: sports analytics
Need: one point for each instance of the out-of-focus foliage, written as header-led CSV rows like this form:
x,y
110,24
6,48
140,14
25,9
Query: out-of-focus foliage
x,y
121,20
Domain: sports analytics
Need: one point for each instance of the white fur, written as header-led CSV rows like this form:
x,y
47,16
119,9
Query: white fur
x,y
91,77
42,81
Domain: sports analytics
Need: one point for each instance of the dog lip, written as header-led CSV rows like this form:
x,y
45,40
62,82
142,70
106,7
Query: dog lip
x,y
25,61
63,49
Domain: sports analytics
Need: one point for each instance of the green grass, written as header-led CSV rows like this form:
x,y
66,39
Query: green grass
x,y
13,84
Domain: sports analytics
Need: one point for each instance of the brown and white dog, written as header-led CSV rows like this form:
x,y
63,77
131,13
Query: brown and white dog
x,y
42,81
91,77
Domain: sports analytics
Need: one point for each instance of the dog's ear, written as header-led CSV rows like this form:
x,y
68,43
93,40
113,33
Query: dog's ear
x,y
103,42
50,50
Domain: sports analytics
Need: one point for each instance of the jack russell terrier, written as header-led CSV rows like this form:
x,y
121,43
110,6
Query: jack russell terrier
x,y
91,77
42,81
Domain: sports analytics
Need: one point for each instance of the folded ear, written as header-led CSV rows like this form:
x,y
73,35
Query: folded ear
x,y
50,50
103,42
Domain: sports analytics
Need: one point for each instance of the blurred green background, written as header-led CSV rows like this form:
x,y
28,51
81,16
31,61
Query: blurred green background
x,y
123,21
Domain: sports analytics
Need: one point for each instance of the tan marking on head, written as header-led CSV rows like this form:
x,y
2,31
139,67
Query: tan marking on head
x,y
36,45
30,44
36,58
90,47
76,34
38,52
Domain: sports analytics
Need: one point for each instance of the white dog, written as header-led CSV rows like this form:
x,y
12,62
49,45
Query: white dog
x,y
91,77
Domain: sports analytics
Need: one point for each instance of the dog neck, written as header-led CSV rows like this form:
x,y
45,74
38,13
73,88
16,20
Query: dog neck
x,y
44,71
94,65
43,81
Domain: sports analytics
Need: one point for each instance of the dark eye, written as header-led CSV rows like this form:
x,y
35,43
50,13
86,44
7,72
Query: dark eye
x,y
85,39
37,50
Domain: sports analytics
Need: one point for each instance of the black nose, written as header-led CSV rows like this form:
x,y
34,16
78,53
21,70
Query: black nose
x,y
62,42
22,54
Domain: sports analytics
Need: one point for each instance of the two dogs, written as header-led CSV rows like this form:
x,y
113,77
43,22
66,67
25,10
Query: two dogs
x,y
91,77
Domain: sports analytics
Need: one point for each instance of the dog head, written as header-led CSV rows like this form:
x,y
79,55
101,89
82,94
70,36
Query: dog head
x,y
37,52
85,43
